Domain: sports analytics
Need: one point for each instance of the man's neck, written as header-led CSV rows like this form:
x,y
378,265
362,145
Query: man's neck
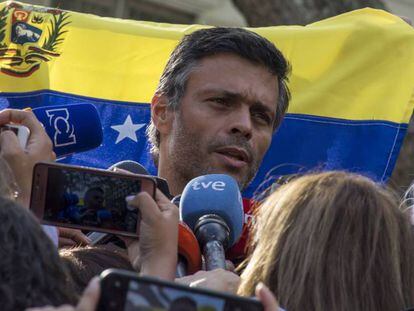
x,y
176,186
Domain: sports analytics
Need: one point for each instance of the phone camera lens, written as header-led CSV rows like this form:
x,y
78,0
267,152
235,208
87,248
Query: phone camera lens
x,y
117,284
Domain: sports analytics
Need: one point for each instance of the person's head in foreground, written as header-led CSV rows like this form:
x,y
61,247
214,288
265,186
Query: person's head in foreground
x,y
333,241
31,273
83,263
222,94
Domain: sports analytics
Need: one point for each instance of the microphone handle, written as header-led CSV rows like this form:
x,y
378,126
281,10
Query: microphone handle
x,y
214,256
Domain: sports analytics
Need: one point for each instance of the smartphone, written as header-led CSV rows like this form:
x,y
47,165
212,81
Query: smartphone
x,y
126,291
87,198
21,131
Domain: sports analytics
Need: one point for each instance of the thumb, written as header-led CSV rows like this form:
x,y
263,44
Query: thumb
x,y
9,144
90,297
150,211
266,297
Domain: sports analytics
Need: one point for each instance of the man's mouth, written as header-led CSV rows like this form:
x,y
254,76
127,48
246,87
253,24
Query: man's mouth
x,y
235,156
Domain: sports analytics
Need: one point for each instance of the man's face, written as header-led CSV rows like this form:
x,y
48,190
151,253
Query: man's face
x,y
94,199
225,120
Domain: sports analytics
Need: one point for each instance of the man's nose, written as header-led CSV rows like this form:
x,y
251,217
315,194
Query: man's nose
x,y
241,123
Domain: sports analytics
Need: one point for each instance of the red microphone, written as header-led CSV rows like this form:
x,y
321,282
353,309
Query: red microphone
x,y
189,254
238,252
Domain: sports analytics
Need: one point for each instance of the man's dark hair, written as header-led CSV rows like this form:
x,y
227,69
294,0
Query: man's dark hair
x,y
213,41
31,273
92,189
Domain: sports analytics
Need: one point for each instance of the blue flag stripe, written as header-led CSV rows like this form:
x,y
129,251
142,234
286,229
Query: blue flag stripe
x,y
302,143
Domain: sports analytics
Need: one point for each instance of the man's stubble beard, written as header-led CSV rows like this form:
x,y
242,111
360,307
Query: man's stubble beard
x,y
188,160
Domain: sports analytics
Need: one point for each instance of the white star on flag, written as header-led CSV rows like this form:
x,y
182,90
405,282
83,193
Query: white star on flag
x,y
127,130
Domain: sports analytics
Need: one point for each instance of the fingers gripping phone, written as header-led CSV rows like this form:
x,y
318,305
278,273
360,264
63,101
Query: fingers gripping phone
x,y
21,131
126,291
87,198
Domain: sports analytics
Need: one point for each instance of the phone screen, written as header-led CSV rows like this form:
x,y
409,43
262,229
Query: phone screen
x,y
82,198
149,296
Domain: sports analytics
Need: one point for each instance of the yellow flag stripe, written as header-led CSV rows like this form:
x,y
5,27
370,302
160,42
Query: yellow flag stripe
x,y
356,66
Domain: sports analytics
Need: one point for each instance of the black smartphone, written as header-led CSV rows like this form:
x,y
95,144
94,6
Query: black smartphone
x,y
126,291
87,198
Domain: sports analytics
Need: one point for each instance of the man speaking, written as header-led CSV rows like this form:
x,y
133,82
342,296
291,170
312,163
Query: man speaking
x,y
221,96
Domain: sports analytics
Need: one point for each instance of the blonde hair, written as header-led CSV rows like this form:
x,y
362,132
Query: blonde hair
x,y
333,241
8,185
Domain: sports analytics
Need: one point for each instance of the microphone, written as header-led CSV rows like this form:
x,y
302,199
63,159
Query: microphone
x,y
211,205
72,128
130,166
189,254
137,168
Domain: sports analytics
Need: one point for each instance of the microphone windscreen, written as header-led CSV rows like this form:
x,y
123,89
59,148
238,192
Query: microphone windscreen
x,y
136,168
188,248
130,166
216,194
72,128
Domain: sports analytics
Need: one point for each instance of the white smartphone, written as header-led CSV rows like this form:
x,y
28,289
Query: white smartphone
x,y
21,131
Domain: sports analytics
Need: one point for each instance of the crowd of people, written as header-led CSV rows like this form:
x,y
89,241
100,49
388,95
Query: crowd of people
x,y
322,241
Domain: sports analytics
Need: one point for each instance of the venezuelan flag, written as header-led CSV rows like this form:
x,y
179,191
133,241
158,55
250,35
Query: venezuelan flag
x,y
351,84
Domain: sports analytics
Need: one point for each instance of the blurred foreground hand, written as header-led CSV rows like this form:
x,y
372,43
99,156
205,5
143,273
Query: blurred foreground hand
x,y
88,302
72,237
218,280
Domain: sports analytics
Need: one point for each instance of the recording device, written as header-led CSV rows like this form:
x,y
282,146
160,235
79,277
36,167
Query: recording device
x,y
21,131
189,254
211,205
87,198
125,291
72,128
134,168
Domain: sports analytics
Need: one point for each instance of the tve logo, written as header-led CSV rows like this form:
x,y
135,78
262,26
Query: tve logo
x,y
64,130
215,185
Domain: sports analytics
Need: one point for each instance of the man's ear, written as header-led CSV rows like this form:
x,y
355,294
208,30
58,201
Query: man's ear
x,y
161,115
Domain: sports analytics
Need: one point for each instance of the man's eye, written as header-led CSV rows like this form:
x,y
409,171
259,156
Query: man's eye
x,y
220,101
262,117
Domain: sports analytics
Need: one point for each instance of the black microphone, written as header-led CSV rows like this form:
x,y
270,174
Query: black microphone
x,y
211,206
137,168
130,166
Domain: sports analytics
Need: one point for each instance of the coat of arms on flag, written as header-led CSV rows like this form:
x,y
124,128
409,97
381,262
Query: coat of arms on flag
x,y
29,36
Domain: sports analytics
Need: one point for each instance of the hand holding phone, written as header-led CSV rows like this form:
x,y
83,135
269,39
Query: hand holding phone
x,y
22,161
155,253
